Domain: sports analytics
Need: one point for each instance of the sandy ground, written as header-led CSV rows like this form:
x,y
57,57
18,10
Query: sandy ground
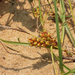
x,y
24,60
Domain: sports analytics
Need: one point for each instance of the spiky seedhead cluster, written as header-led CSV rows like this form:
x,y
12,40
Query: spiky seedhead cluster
x,y
36,12
43,40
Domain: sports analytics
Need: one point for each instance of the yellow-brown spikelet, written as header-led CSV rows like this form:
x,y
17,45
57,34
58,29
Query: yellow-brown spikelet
x,y
46,35
38,39
44,38
54,40
36,12
53,44
56,43
30,40
48,38
34,39
47,42
31,44
49,35
42,42
35,43
39,45
43,45
42,34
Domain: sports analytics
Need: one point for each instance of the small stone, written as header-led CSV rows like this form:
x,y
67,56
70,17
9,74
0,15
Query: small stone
x,y
23,11
3,57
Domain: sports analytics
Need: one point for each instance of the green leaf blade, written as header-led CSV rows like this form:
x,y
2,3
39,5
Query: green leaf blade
x,y
15,43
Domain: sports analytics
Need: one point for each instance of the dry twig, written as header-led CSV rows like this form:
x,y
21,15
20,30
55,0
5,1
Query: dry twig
x,y
69,58
20,29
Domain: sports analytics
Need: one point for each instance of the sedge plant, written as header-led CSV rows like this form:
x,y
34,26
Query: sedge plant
x,y
45,39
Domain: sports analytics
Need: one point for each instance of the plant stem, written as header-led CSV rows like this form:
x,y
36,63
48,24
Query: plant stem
x,y
59,61
53,60
40,13
63,19
58,37
71,10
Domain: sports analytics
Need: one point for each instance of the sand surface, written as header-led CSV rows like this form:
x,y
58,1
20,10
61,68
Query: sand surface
x,y
25,60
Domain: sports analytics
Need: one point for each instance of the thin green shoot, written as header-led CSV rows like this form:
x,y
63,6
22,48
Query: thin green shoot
x,y
71,10
58,37
40,13
62,19
15,43
53,60
70,72
62,63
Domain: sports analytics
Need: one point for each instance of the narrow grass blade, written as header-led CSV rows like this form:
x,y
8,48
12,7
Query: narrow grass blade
x,y
64,26
62,34
40,13
59,61
70,72
18,39
53,61
15,43
62,19
70,35
71,10
58,37
62,10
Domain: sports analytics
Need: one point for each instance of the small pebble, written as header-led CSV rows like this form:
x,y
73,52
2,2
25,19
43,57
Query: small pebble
x,y
23,11
3,57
